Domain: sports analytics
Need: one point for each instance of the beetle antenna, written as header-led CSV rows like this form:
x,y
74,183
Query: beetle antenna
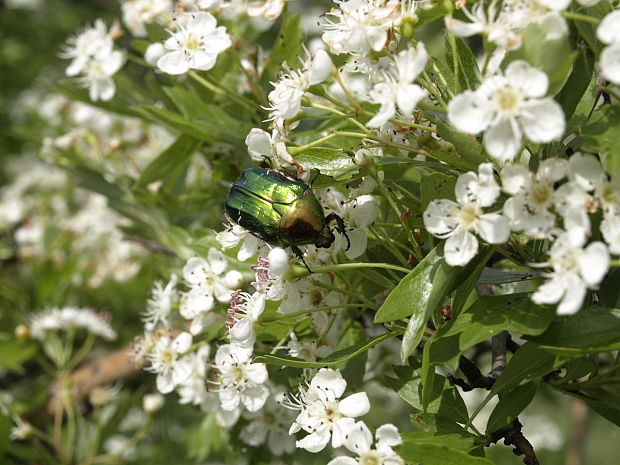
x,y
339,226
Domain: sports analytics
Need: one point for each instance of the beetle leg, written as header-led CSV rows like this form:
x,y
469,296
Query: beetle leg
x,y
339,226
299,254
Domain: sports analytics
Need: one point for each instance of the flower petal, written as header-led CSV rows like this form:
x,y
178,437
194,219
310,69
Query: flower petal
x,y
594,263
441,217
543,120
503,140
173,63
610,63
354,405
529,80
460,248
469,113
493,228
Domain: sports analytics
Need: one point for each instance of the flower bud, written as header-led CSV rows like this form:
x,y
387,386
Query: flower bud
x,y
278,261
151,403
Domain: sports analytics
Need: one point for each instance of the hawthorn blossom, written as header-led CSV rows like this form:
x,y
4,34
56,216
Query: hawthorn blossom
x,y
240,381
306,350
262,146
195,45
359,441
66,318
244,311
193,389
323,415
576,268
457,221
153,402
507,106
532,196
235,234
608,32
164,361
159,305
270,425
397,88
89,42
207,282
285,98
360,26
138,13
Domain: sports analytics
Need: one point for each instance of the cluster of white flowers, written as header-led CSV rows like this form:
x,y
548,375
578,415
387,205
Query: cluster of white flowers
x,y
67,318
533,208
93,57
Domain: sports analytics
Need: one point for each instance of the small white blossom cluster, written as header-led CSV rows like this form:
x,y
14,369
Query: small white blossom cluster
x,y
535,205
93,57
67,318
329,419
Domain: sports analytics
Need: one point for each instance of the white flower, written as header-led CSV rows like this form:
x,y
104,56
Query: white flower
x,y
230,237
151,403
244,311
137,13
484,19
270,425
397,88
458,221
262,146
92,56
21,431
81,47
575,269
154,52
195,46
322,414
285,98
533,196
507,106
359,441
164,360
193,389
160,303
63,319
268,9
360,26
518,14
608,32
240,381
306,350
206,283
304,295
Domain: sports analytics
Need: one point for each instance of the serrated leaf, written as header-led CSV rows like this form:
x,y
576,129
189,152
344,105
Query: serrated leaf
x,y
467,147
176,155
436,454
490,315
529,363
577,82
510,406
334,358
594,329
453,441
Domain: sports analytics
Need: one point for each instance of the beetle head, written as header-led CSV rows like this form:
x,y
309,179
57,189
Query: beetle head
x,y
326,238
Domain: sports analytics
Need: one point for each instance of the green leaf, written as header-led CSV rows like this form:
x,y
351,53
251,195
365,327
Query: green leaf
x,y
453,441
471,274
529,363
495,276
437,454
444,399
555,58
469,150
490,315
329,161
436,185
287,48
594,329
352,335
601,135
176,155
578,82
334,358
460,55
5,430
418,295
510,406
13,355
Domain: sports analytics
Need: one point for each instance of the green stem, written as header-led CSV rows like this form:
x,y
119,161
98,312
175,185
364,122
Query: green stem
x,y
579,17
412,125
217,88
301,148
82,352
286,316
354,295
353,266
478,410
355,103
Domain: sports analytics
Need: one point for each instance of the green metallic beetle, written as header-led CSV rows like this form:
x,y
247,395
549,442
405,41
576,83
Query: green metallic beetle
x,y
280,210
